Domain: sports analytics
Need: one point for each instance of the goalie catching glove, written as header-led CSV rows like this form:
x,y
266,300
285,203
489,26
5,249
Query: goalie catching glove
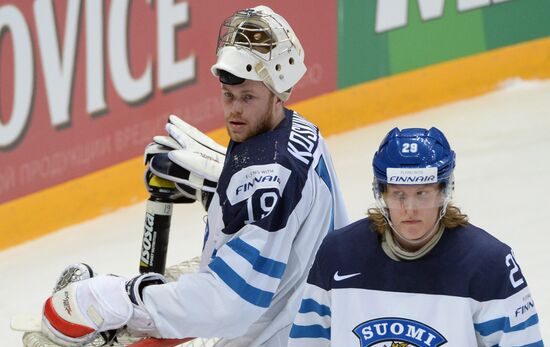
x,y
185,165
86,305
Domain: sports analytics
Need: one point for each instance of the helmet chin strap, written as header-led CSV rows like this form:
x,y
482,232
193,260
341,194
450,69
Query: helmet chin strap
x,y
400,246
395,250
407,243
397,243
427,236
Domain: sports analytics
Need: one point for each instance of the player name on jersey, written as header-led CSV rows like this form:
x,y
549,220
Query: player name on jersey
x,y
302,139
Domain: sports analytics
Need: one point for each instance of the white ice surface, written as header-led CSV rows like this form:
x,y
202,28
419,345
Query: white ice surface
x,y
502,141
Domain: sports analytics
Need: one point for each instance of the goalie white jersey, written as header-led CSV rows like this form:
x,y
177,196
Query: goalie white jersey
x,y
467,291
277,198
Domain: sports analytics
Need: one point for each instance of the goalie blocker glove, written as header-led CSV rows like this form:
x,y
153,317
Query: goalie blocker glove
x,y
81,310
184,166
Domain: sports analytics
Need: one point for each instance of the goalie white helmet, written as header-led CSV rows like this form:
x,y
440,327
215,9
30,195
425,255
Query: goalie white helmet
x,y
258,44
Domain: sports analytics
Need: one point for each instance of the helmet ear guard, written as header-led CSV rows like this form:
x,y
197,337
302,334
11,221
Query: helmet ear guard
x,y
258,44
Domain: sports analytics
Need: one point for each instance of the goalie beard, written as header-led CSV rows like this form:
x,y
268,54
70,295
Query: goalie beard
x,y
156,231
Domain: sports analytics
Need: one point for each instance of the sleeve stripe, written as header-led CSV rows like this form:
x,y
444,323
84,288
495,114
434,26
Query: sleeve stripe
x,y
322,171
269,267
249,293
310,305
309,331
503,324
536,344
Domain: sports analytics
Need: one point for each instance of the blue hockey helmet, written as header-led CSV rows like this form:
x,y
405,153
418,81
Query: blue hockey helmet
x,y
414,156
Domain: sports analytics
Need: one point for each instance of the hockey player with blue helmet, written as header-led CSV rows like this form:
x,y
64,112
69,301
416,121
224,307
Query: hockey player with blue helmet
x,y
414,166
415,272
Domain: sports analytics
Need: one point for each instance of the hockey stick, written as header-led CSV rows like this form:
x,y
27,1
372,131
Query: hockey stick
x,y
154,248
156,231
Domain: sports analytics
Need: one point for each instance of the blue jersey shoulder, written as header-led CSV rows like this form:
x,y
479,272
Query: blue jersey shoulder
x,y
487,263
466,262
341,251
263,177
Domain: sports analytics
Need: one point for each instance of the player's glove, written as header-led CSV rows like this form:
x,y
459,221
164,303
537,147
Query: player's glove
x,y
90,305
188,158
162,167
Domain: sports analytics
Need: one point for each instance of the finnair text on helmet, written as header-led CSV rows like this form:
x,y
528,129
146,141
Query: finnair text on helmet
x,y
412,179
302,140
411,175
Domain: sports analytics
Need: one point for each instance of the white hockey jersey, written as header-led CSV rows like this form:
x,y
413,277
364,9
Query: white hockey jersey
x,y
467,291
277,198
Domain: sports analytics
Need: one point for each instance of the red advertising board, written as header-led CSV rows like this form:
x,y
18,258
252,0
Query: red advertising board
x,y
86,84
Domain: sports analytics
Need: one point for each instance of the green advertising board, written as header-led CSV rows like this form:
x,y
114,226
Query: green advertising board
x,y
382,38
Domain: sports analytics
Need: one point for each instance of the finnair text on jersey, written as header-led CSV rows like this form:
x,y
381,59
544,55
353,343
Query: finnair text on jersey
x,y
302,139
244,183
258,179
524,308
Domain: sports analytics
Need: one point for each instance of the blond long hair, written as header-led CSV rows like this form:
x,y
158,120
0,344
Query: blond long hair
x,y
452,218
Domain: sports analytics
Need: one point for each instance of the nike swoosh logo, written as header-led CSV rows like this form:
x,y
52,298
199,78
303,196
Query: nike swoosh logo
x,y
343,277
